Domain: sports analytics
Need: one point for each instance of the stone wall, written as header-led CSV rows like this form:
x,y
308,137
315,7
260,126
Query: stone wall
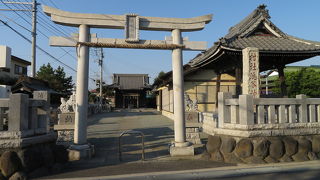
x,y
259,150
32,161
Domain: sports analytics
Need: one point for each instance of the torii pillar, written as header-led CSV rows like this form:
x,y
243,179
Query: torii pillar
x,y
132,23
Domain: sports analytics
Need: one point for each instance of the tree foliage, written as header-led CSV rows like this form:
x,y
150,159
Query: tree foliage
x,y
106,90
56,78
159,79
304,81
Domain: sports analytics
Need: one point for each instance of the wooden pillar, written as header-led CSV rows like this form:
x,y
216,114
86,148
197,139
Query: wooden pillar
x,y
283,88
218,87
160,100
238,74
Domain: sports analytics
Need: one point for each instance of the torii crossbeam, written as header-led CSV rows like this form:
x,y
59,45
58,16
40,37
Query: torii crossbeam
x,y
131,23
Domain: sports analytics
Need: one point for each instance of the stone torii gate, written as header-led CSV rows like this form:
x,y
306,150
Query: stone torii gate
x,y
131,23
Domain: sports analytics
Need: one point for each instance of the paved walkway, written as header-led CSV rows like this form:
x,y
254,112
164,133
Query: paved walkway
x,y
103,132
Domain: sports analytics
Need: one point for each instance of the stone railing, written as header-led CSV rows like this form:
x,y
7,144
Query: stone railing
x,y
27,120
251,117
97,108
208,120
65,126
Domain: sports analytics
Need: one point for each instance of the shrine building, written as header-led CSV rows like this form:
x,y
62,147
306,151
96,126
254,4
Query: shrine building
x,y
220,68
130,90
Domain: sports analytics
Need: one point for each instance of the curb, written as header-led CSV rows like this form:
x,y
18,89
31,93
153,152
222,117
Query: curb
x,y
209,173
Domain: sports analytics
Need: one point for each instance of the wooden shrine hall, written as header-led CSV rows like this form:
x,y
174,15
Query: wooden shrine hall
x,y
276,49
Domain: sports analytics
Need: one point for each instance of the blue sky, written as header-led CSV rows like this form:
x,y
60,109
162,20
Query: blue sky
x,y
297,18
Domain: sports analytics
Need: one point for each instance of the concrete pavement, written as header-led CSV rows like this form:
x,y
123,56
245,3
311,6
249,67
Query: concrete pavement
x,y
104,130
280,171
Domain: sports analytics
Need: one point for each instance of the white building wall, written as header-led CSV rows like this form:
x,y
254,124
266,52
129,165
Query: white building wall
x,y
5,61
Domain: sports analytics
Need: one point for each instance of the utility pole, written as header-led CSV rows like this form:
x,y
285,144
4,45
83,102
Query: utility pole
x,y
34,38
99,53
34,5
101,74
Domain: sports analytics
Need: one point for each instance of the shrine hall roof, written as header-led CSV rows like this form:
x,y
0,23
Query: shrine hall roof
x,y
256,30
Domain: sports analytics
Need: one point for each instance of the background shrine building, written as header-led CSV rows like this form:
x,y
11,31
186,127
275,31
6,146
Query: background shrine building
x,y
130,90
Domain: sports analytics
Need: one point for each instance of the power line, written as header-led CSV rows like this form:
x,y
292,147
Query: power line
x,y
53,4
44,51
39,24
40,32
60,30
11,20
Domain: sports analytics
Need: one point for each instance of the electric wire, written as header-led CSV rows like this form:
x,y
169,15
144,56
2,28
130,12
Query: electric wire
x,y
44,51
11,20
44,27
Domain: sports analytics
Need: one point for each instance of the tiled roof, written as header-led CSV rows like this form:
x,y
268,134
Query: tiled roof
x,y
244,34
131,81
276,44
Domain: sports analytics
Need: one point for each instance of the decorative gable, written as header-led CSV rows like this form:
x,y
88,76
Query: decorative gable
x,y
261,30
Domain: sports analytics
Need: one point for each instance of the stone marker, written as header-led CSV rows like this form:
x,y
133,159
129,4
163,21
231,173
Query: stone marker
x,y
251,77
66,118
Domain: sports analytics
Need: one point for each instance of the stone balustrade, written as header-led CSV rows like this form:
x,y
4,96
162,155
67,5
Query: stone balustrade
x,y
256,117
208,120
97,108
65,126
27,120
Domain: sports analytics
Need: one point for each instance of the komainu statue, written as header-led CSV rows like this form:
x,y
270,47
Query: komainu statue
x,y
69,105
189,104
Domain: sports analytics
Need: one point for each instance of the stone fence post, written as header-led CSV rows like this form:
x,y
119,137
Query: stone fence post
x,y
18,112
303,109
223,111
246,109
43,120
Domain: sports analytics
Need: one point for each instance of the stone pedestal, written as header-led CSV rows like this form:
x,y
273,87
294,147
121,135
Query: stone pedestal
x,y
178,149
65,128
193,127
79,152
193,135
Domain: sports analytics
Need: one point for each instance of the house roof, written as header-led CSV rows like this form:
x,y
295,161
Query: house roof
x,y
256,30
30,84
130,81
17,59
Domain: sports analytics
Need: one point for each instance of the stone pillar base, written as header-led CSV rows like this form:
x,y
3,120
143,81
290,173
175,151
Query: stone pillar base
x,y
79,152
179,150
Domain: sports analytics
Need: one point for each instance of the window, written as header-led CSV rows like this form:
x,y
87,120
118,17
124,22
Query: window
x,y
20,70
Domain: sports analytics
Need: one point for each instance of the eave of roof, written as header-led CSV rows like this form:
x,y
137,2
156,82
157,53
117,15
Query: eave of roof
x,y
15,58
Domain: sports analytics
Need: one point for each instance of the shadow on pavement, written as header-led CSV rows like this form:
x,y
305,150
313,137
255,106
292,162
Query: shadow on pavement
x,y
158,135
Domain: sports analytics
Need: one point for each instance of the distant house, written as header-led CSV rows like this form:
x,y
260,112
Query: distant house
x,y
130,90
19,66
27,85
15,67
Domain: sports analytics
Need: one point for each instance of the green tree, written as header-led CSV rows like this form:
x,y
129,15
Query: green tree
x,y
106,90
304,81
56,78
160,79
